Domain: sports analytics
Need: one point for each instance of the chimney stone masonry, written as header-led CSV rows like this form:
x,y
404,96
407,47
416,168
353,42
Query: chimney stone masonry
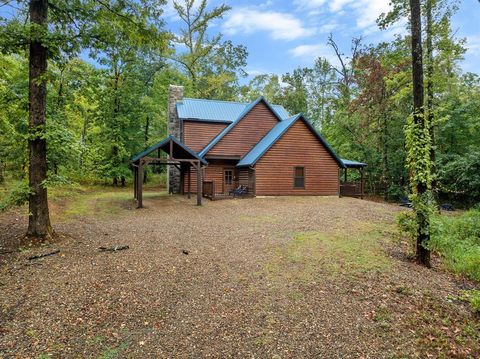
x,y
175,94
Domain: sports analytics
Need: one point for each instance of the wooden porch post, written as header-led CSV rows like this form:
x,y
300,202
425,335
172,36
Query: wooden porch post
x,y
361,183
140,185
134,182
182,180
345,178
189,179
199,184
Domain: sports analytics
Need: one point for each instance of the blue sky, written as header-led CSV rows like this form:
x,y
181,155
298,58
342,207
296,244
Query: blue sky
x,y
281,35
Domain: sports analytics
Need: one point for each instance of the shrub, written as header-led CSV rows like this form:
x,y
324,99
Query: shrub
x,y
472,297
408,224
17,196
457,240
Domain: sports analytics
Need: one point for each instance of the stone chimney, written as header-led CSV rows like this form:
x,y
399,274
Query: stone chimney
x,y
175,94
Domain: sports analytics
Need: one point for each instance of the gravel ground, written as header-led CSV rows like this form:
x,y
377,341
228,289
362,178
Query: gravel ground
x,y
237,293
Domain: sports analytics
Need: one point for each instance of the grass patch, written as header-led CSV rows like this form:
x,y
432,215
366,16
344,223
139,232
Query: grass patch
x,y
311,253
111,353
457,239
87,201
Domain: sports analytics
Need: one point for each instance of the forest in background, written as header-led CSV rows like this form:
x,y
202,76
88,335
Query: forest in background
x,y
102,111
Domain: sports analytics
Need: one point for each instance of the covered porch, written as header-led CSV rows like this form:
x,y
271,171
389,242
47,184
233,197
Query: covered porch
x,y
224,180
178,155
352,188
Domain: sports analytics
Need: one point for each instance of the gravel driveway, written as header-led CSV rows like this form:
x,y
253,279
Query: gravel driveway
x,y
304,277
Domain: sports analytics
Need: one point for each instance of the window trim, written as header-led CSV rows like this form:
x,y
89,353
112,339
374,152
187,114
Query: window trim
x,y
231,170
295,177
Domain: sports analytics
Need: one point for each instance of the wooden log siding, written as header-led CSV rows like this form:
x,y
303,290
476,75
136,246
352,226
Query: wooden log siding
x,y
213,172
243,177
246,133
197,135
298,147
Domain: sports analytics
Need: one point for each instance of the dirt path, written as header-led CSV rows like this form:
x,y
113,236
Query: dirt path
x,y
276,278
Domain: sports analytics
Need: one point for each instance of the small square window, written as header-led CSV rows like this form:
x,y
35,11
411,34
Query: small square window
x,y
299,177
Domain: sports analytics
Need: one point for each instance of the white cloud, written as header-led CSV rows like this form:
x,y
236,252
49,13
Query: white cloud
x,y
280,26
365,12
473,45
369,11
309,4
255,72
337,5
309,53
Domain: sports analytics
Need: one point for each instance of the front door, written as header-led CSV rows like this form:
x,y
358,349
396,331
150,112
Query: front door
x,y
228,180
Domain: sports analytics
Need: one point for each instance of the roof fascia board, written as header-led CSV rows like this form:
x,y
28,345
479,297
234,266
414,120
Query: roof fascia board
x,y
164,142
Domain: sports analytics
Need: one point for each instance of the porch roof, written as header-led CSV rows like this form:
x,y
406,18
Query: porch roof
x,y
179,150
353,164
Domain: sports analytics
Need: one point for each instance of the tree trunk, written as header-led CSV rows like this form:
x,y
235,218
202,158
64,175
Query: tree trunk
x,y
39,219
430,70
83,139
423,236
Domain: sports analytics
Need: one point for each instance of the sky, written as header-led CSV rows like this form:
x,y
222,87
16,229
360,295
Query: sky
x,y
281,35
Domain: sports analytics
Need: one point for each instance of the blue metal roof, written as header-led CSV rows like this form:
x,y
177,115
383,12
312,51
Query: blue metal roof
x,y
162,145
353,164
275,134
217,111
227,129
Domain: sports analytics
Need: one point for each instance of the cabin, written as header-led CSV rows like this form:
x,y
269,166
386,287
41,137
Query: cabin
x,y
220,149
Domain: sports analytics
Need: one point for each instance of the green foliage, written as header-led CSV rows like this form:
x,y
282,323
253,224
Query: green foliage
x,y
17,196
457,240
407,224
459,176
212,65
475,300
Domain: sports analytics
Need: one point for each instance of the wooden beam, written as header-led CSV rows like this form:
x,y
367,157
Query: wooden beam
x,y
135,183
140,185
361,183
345,179
199,184
189,180
182,180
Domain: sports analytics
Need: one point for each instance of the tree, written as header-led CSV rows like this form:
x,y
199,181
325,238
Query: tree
x,y
418,140
213,66
66,29
38,220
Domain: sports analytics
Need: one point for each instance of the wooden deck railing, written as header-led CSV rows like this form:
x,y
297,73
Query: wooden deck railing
x,y
351,189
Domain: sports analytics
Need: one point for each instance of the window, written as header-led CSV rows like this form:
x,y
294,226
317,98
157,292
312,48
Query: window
x,y
299,177
228,174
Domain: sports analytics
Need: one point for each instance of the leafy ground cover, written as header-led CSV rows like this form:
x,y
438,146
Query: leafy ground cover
x,y
270,277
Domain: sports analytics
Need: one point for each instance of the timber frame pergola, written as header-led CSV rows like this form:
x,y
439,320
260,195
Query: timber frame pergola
x,y
178,155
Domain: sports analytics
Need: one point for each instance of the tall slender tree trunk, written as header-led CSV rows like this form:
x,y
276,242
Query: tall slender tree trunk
x,y
423,236
431,119
39,219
